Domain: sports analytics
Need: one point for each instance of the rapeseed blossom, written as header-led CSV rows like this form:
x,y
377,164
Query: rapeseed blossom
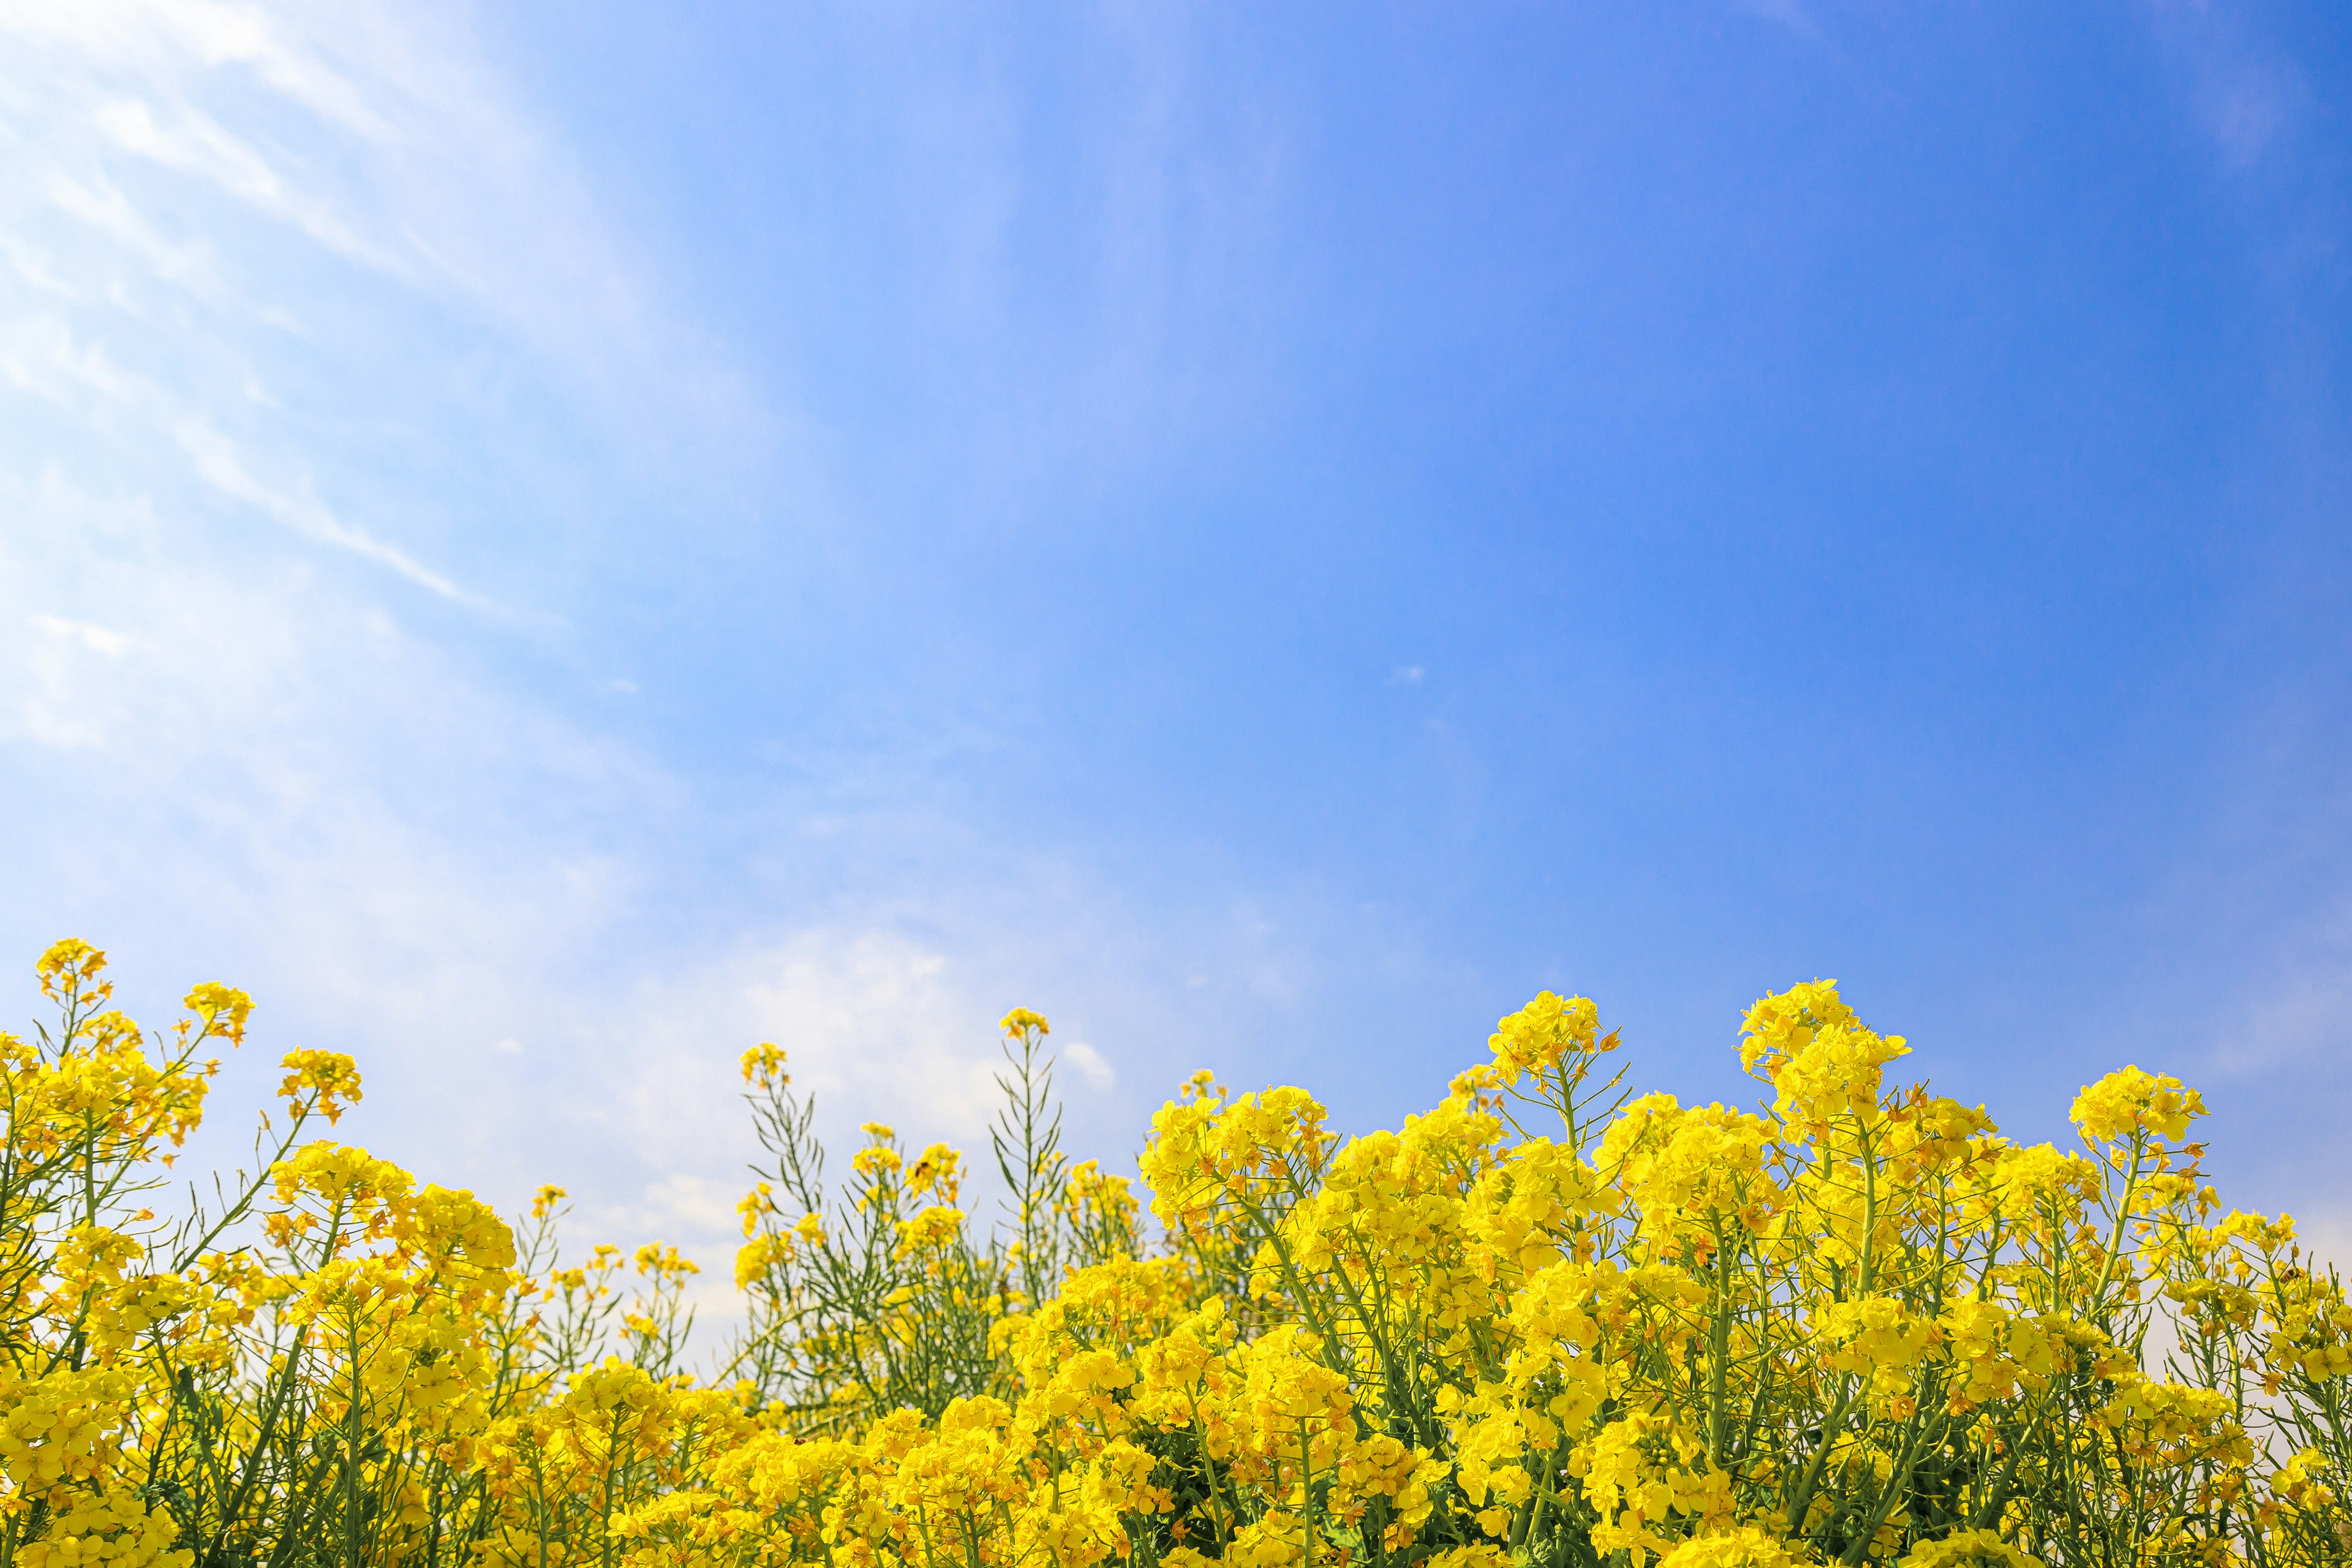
x,y
1544,1324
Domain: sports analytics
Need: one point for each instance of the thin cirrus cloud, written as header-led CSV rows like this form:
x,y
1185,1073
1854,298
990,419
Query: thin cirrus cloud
x,y
111,304
218,464
40,355
196,145
238,252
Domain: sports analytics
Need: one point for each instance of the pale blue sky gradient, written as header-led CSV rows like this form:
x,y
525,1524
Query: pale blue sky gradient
x,y
554,542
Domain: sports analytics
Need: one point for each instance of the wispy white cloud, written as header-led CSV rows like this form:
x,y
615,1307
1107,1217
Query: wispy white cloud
x,y
380,138
197,144
876,1025
165,35
227,749
95,202
218,464
2244,91
252,253
45,714
1090,1065
34,267
378,144
43,356
83,634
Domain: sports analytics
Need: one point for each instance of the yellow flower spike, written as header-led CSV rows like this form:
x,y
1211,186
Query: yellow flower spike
x,y
1202,1085
930,1230
938,1171
763,1067
1545,1033
1022,1021
1822,1065
756,1257
1745,1547
2130,1101
658,1261
327,1082
222,1008
71,969
755,1206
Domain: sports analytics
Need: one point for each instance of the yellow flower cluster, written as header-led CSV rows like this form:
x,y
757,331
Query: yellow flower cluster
x,y
1544,1324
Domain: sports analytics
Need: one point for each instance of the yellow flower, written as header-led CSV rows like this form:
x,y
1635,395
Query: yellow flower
x,y
1969,1549
1545,1033
2131,1101
71,969
222,1008
323,1081
1822,1063
1745,1547
939,1170
764,1065
929,1229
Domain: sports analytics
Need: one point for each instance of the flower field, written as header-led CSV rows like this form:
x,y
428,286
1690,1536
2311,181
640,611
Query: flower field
x,y
1547,1322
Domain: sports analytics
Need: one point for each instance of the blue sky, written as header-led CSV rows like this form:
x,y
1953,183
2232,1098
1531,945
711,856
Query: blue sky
x,y
554,542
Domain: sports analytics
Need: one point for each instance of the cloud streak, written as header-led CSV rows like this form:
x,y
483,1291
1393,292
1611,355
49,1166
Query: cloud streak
x,y
218,464
242,265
